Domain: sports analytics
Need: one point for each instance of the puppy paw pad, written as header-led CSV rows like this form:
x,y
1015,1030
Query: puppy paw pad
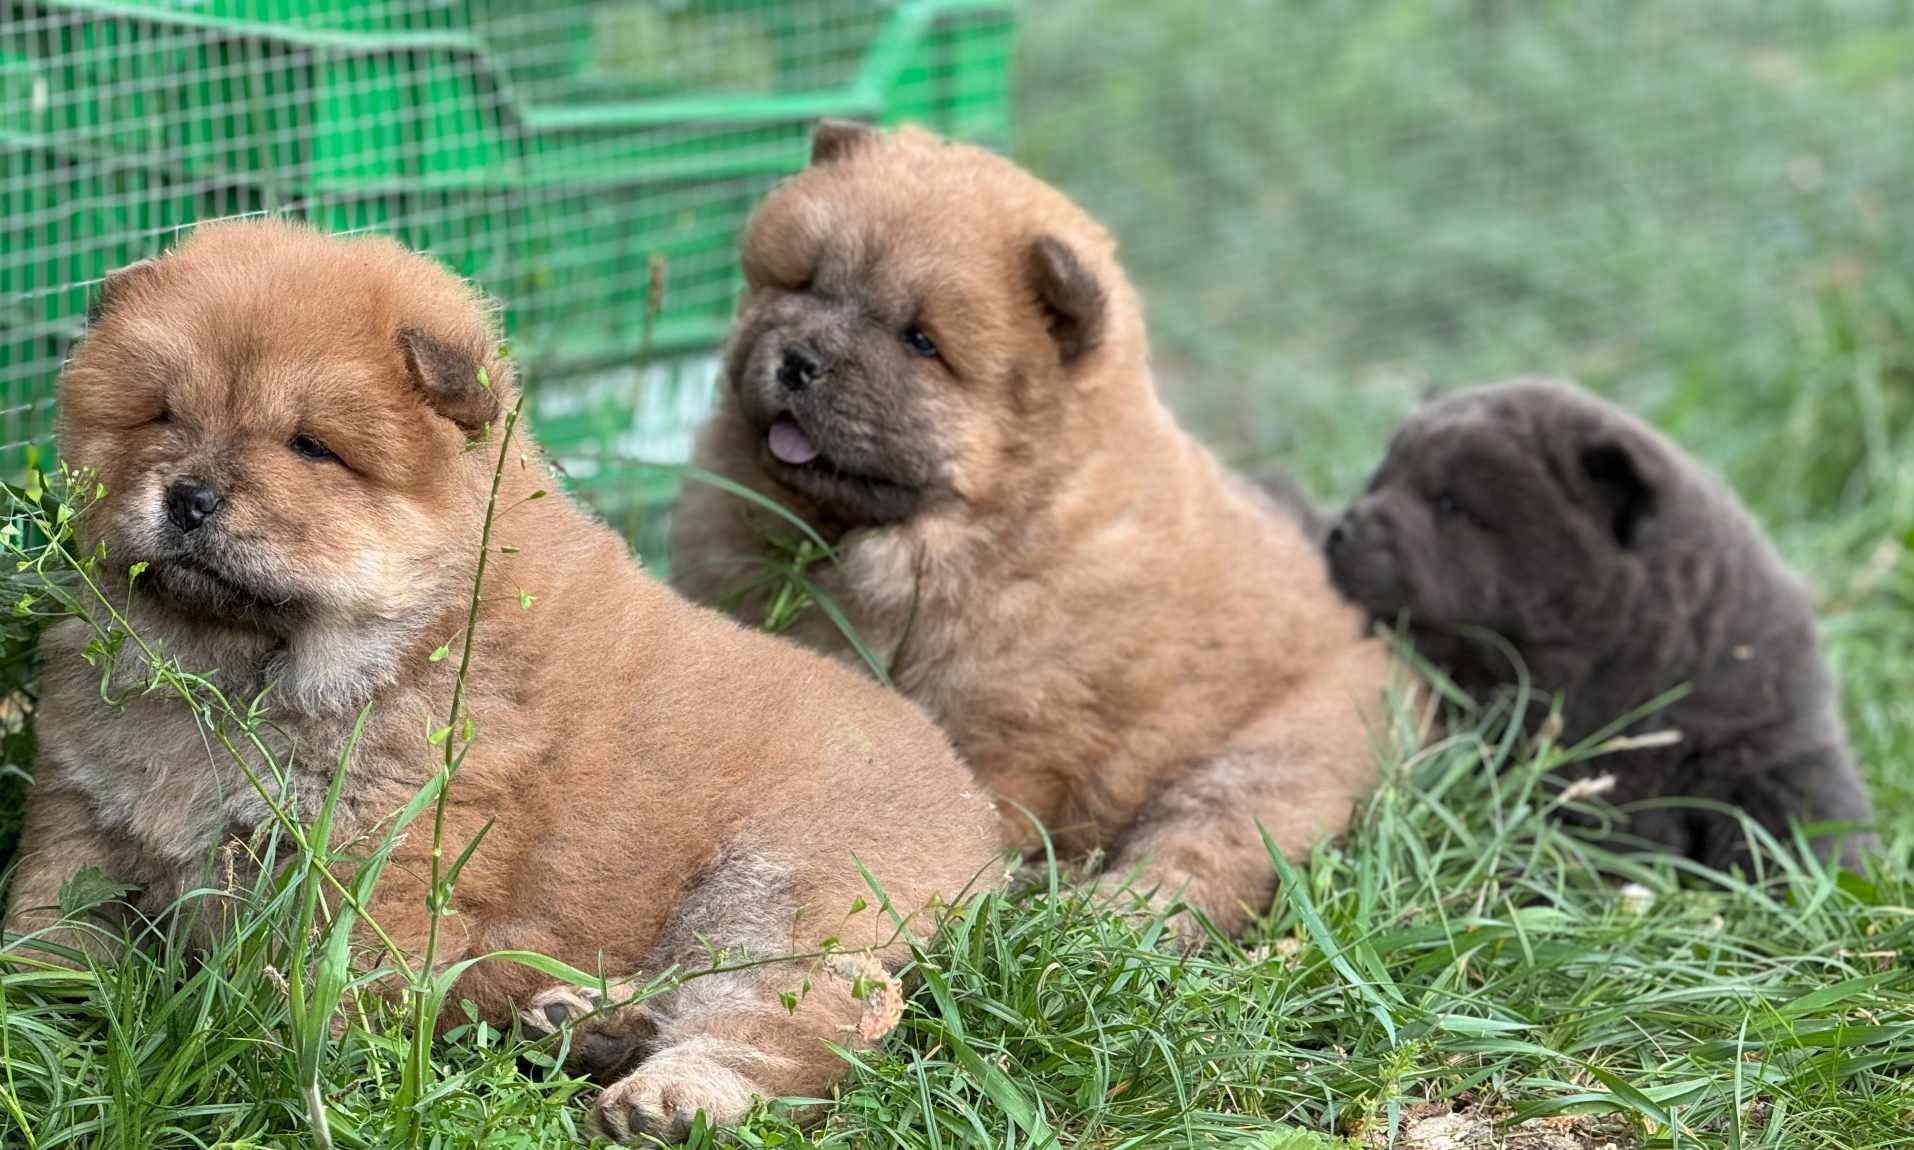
x,y
556,1007
664,1097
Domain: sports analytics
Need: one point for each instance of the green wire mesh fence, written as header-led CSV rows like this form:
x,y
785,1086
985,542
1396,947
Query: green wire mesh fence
x,y
589,163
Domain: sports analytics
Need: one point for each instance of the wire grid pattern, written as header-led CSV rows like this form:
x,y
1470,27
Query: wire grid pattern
x,y
1332,207
589,163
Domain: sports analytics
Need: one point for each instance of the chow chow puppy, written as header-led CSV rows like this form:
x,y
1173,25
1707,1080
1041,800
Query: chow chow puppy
x,y
1617,570
297,435
939,364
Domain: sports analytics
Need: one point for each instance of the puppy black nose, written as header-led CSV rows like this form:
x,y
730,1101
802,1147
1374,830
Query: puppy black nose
x,y
799,367
1337,534
189,502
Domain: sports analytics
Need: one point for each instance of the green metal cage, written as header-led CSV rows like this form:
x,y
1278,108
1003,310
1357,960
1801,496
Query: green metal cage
x,y
589,163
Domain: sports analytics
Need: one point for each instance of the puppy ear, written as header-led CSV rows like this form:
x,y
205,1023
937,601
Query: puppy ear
x,y
114,288
1622,486
834,140
1073,302
449,380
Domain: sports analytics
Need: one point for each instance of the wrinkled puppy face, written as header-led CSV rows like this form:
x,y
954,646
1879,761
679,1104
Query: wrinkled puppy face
x,y
1507,508
907,303
279,419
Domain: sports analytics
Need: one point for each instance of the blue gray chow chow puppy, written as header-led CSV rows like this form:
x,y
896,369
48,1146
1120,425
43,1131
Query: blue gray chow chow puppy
x,y
1617,570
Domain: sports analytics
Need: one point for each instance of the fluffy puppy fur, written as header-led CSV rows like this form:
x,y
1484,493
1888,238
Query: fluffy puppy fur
x,y
939,363
294,439
1618,570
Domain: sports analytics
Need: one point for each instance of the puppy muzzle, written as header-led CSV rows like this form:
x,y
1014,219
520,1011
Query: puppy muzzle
x,y
1363,563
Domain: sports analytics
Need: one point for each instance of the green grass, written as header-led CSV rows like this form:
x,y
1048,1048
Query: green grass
x,y
1331,209
1459,945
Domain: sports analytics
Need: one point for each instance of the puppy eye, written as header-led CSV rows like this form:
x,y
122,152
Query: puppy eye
x,y
306,447
165,415
1447,507
919,343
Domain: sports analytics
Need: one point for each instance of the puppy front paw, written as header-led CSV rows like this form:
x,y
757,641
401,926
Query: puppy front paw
x,y
557,1007
606,1036
664,1096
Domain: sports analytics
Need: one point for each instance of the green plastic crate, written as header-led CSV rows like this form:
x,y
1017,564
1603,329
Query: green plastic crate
x,y
568,155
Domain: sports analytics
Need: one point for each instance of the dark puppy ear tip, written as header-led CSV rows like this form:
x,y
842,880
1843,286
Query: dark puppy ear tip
x,y
1609,460
834,139
115,284
1074,302
457,385
1620,478
1603,457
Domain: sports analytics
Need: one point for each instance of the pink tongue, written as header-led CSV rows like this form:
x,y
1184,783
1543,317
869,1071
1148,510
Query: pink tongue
x,y
789,443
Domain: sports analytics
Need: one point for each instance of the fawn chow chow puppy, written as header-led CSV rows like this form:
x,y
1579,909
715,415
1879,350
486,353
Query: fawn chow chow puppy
x,y
939,363
297,435
1618,570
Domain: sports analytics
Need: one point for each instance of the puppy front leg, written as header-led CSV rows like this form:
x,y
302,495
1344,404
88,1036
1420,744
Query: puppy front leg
x,y
1298,771
755,1026
58,840
609,1032
1198,841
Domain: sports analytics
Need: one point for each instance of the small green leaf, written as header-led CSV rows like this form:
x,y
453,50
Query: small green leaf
x,y
439,655
465,856
135,571
438,737
1468,1024
89,888
858,904
1288,1137
525,599
484,378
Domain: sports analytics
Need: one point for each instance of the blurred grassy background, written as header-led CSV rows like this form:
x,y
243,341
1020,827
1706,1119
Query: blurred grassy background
x,y
1699,209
